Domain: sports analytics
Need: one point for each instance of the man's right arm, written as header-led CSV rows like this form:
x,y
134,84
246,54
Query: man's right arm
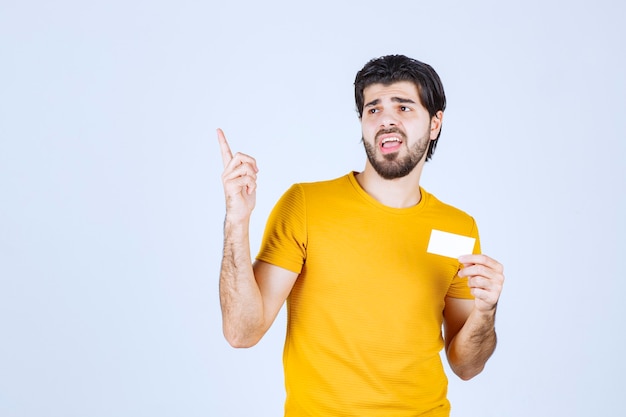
x,y
250,295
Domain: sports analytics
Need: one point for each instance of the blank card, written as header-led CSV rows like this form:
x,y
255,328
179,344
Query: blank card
x,y
450,244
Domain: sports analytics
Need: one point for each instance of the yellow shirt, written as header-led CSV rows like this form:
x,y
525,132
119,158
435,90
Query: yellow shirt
x,y
364,317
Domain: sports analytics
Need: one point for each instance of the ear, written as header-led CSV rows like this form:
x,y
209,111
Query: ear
x,y
435,125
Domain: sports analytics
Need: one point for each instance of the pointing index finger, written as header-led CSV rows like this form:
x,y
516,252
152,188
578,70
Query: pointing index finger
x,y
227,155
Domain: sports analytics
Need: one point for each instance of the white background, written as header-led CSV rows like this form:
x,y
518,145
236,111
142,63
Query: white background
x,y
111,204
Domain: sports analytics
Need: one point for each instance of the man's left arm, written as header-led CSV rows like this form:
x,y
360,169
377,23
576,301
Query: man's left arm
x,y
469,325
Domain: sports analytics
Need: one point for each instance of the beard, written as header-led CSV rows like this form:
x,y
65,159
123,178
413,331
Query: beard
x,y
392,165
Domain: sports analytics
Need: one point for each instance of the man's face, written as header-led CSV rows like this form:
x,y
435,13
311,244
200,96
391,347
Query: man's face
x,y
396,128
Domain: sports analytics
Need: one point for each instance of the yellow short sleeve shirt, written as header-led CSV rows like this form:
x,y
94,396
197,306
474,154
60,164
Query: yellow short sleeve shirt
x,y
364,318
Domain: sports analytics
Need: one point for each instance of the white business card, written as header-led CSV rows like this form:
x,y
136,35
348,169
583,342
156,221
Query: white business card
x,y
450,244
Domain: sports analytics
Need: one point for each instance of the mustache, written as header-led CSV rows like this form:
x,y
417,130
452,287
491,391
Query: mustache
x,y
390,130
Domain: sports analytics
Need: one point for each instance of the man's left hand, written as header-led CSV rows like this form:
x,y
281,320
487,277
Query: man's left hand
x,y
485,279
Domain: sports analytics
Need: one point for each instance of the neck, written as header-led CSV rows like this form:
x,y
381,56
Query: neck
x,y
397,193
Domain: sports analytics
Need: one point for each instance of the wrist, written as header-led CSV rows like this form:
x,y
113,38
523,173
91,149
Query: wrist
x,y
236,226
487,315
237,219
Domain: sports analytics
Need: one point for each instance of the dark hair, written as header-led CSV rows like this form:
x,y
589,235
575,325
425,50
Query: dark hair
x,y
393,68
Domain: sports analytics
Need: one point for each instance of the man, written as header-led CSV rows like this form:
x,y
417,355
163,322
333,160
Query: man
x,y
366,301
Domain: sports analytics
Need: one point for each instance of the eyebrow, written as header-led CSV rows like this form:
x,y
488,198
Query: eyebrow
x,y
394,99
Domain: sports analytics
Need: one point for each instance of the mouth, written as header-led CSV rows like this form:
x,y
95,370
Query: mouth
x,y
390,142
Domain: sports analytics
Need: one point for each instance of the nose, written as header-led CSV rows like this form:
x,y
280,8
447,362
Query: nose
x,y
387,119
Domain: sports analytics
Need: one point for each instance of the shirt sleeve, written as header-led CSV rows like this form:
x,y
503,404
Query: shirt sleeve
x,y
284,239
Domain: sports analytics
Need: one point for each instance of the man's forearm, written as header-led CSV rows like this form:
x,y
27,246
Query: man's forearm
x,y
240,298
473,345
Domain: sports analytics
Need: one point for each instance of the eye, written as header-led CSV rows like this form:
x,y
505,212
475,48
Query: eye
x,y
372,111
405,108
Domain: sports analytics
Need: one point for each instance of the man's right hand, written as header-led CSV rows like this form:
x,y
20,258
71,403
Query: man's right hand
x,y
239,181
